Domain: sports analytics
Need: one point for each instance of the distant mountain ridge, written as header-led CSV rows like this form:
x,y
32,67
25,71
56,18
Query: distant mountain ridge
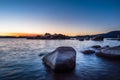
x,y
112,34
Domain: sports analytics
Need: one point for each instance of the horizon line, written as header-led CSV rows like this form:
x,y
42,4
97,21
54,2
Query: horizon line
x,y
20,34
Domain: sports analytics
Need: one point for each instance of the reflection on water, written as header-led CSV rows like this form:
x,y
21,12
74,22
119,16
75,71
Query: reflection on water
x,y
19,60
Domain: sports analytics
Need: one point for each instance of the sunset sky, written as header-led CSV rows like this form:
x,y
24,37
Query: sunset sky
x,y
70,17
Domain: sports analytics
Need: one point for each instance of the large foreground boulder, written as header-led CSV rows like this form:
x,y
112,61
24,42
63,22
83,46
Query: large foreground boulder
x,y
110,52
98,38
63,59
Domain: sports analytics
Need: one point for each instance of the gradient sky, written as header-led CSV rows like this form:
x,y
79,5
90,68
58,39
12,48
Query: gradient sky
x,y
71,17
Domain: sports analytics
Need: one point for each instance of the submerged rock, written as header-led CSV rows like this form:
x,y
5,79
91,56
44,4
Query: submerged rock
x,y
88,51
110,52
96,46
63,59
81,39
104,47
43,54
98,38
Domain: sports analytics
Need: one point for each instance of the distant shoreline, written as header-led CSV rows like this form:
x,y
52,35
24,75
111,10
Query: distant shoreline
x,y
48,36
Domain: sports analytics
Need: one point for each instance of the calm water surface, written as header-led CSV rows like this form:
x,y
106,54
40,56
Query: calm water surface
x,y
19,60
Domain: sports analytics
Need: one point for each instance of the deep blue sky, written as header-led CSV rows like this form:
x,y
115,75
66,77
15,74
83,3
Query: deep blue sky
x,y
72,17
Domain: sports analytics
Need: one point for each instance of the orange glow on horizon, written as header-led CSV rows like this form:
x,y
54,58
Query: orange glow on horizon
x,y
35,34
18,34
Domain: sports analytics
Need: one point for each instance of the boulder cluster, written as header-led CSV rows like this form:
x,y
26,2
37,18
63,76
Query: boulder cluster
x,y
106,51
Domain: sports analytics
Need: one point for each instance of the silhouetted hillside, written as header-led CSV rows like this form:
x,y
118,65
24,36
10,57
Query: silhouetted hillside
x,y
112,34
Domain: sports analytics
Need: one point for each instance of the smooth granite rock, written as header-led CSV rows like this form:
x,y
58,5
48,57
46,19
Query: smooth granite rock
x,y
110,52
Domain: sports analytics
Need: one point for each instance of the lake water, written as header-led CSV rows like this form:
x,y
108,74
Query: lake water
x,y
20,60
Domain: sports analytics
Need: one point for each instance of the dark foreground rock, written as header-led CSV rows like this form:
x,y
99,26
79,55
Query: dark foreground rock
x,y
98,38
88,51
63,59
110,52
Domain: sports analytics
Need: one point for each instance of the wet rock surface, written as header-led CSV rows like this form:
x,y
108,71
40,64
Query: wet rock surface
x,y
109,52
